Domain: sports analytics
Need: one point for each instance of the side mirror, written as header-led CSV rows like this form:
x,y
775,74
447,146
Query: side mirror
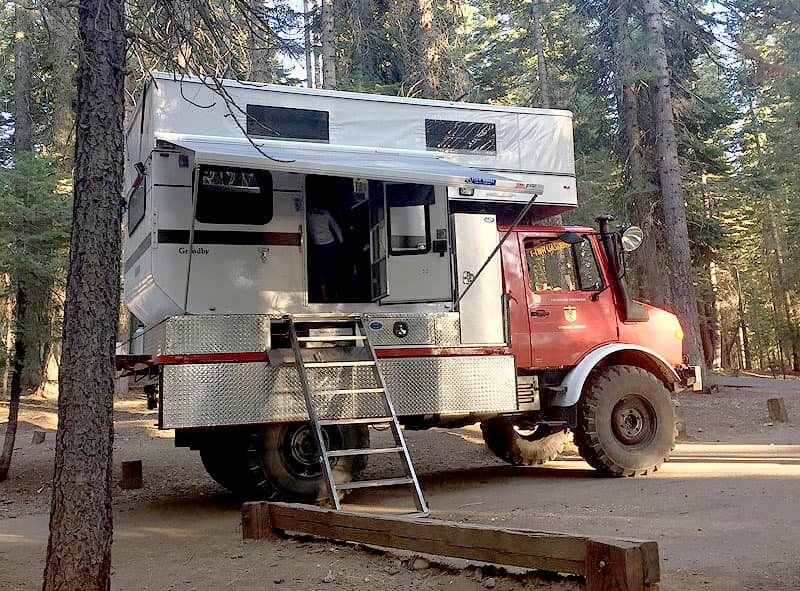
x,y
632,238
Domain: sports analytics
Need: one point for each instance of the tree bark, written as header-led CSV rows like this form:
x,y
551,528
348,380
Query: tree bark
x,y
427,55
79,547
61,24
672,198
541,63
23,142
650,260
23,124
744,342
17,365
308,49
328,46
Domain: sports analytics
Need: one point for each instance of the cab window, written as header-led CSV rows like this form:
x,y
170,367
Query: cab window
x,y
554,265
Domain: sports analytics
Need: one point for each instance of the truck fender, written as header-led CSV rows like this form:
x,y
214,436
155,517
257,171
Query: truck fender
x,y
571,387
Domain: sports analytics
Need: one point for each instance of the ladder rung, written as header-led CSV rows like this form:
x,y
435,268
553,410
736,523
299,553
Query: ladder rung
x,y
324,339
339,363
374,483
364,451
364,421
353,391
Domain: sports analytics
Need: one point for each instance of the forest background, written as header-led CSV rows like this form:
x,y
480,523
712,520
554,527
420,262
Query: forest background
x,y
734,73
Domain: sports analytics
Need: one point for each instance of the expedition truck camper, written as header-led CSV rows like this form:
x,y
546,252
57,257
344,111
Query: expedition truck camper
x,y
306,264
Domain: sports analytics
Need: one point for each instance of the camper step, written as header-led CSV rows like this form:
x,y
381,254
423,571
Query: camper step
x,y
374,483
364,451
353,391
331,338
339,363
364,421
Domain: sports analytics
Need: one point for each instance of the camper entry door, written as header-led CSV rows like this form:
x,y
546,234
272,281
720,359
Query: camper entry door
x,y
418,264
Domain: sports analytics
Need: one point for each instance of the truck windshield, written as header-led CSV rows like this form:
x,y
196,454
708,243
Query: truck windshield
x,y
554,265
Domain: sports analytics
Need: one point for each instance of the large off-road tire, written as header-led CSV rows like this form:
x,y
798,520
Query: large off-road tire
x,y
626,421
519,447
283,464
223,459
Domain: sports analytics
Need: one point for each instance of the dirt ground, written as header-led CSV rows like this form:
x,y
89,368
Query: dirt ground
x,y
724,510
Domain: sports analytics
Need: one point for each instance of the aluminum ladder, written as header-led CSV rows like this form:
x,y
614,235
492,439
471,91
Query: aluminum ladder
x,y
306,369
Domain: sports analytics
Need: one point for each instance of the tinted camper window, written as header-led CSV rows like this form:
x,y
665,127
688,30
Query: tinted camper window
x,y
286,123
234,196
136,207
460,136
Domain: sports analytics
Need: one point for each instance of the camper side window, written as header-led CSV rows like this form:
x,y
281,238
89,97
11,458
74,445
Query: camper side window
x,y
467,137
136,207
234,196
409,218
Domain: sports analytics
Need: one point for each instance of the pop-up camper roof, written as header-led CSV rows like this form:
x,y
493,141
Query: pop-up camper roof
x,y
347,161
333,129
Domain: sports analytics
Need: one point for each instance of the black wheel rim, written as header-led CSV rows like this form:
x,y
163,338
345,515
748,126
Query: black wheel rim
x,y
299,450
634,421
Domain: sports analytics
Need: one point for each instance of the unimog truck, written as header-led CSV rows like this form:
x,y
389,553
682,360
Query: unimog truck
x,y
443,295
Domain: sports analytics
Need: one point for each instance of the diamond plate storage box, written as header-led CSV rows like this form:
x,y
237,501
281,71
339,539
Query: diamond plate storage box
x,y
204,395
215,333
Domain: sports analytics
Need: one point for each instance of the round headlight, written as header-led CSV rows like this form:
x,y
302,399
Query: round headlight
x,y
632,237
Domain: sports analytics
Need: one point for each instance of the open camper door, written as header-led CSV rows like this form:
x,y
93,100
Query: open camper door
x,y
377,238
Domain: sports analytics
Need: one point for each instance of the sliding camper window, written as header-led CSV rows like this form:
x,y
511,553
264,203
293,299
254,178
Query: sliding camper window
x,y
234,196
409,218
287,123
467,137
136,206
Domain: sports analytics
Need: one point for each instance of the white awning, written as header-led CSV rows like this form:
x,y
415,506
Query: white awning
x,y
400,166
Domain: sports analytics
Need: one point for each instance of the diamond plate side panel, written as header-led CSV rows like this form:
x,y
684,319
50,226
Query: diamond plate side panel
x,y
238,333
239,393
153,339
448,330
430,385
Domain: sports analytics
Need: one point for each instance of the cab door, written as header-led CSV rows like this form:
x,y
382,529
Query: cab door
x,y
570,312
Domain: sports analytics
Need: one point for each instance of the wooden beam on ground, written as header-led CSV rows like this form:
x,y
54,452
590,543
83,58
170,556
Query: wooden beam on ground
x,y
777,410
607,563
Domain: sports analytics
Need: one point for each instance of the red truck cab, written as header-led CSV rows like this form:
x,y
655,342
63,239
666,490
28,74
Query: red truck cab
x,y
564,301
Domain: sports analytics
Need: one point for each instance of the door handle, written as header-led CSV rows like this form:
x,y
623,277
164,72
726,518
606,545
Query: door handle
x,y
539,313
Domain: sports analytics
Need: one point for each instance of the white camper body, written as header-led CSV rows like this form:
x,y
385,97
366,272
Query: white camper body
x,y
217,245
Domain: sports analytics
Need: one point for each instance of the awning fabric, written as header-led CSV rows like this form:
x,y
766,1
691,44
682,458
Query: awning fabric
x,y
347,161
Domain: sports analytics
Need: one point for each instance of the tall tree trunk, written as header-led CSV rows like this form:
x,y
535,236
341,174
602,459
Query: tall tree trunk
x,y
317,37
650,260
17,366
61,24
308,49
328,46
427,55
544,88
744,342
23,142
23,125
672,197
79,547
784,297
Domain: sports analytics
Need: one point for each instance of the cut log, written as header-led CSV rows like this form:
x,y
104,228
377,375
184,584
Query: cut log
x,y
607,563
777,410
256,523
132,475
38,437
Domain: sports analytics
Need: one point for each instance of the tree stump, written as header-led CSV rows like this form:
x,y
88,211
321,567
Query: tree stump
x,y
132,475
777,410
38,437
